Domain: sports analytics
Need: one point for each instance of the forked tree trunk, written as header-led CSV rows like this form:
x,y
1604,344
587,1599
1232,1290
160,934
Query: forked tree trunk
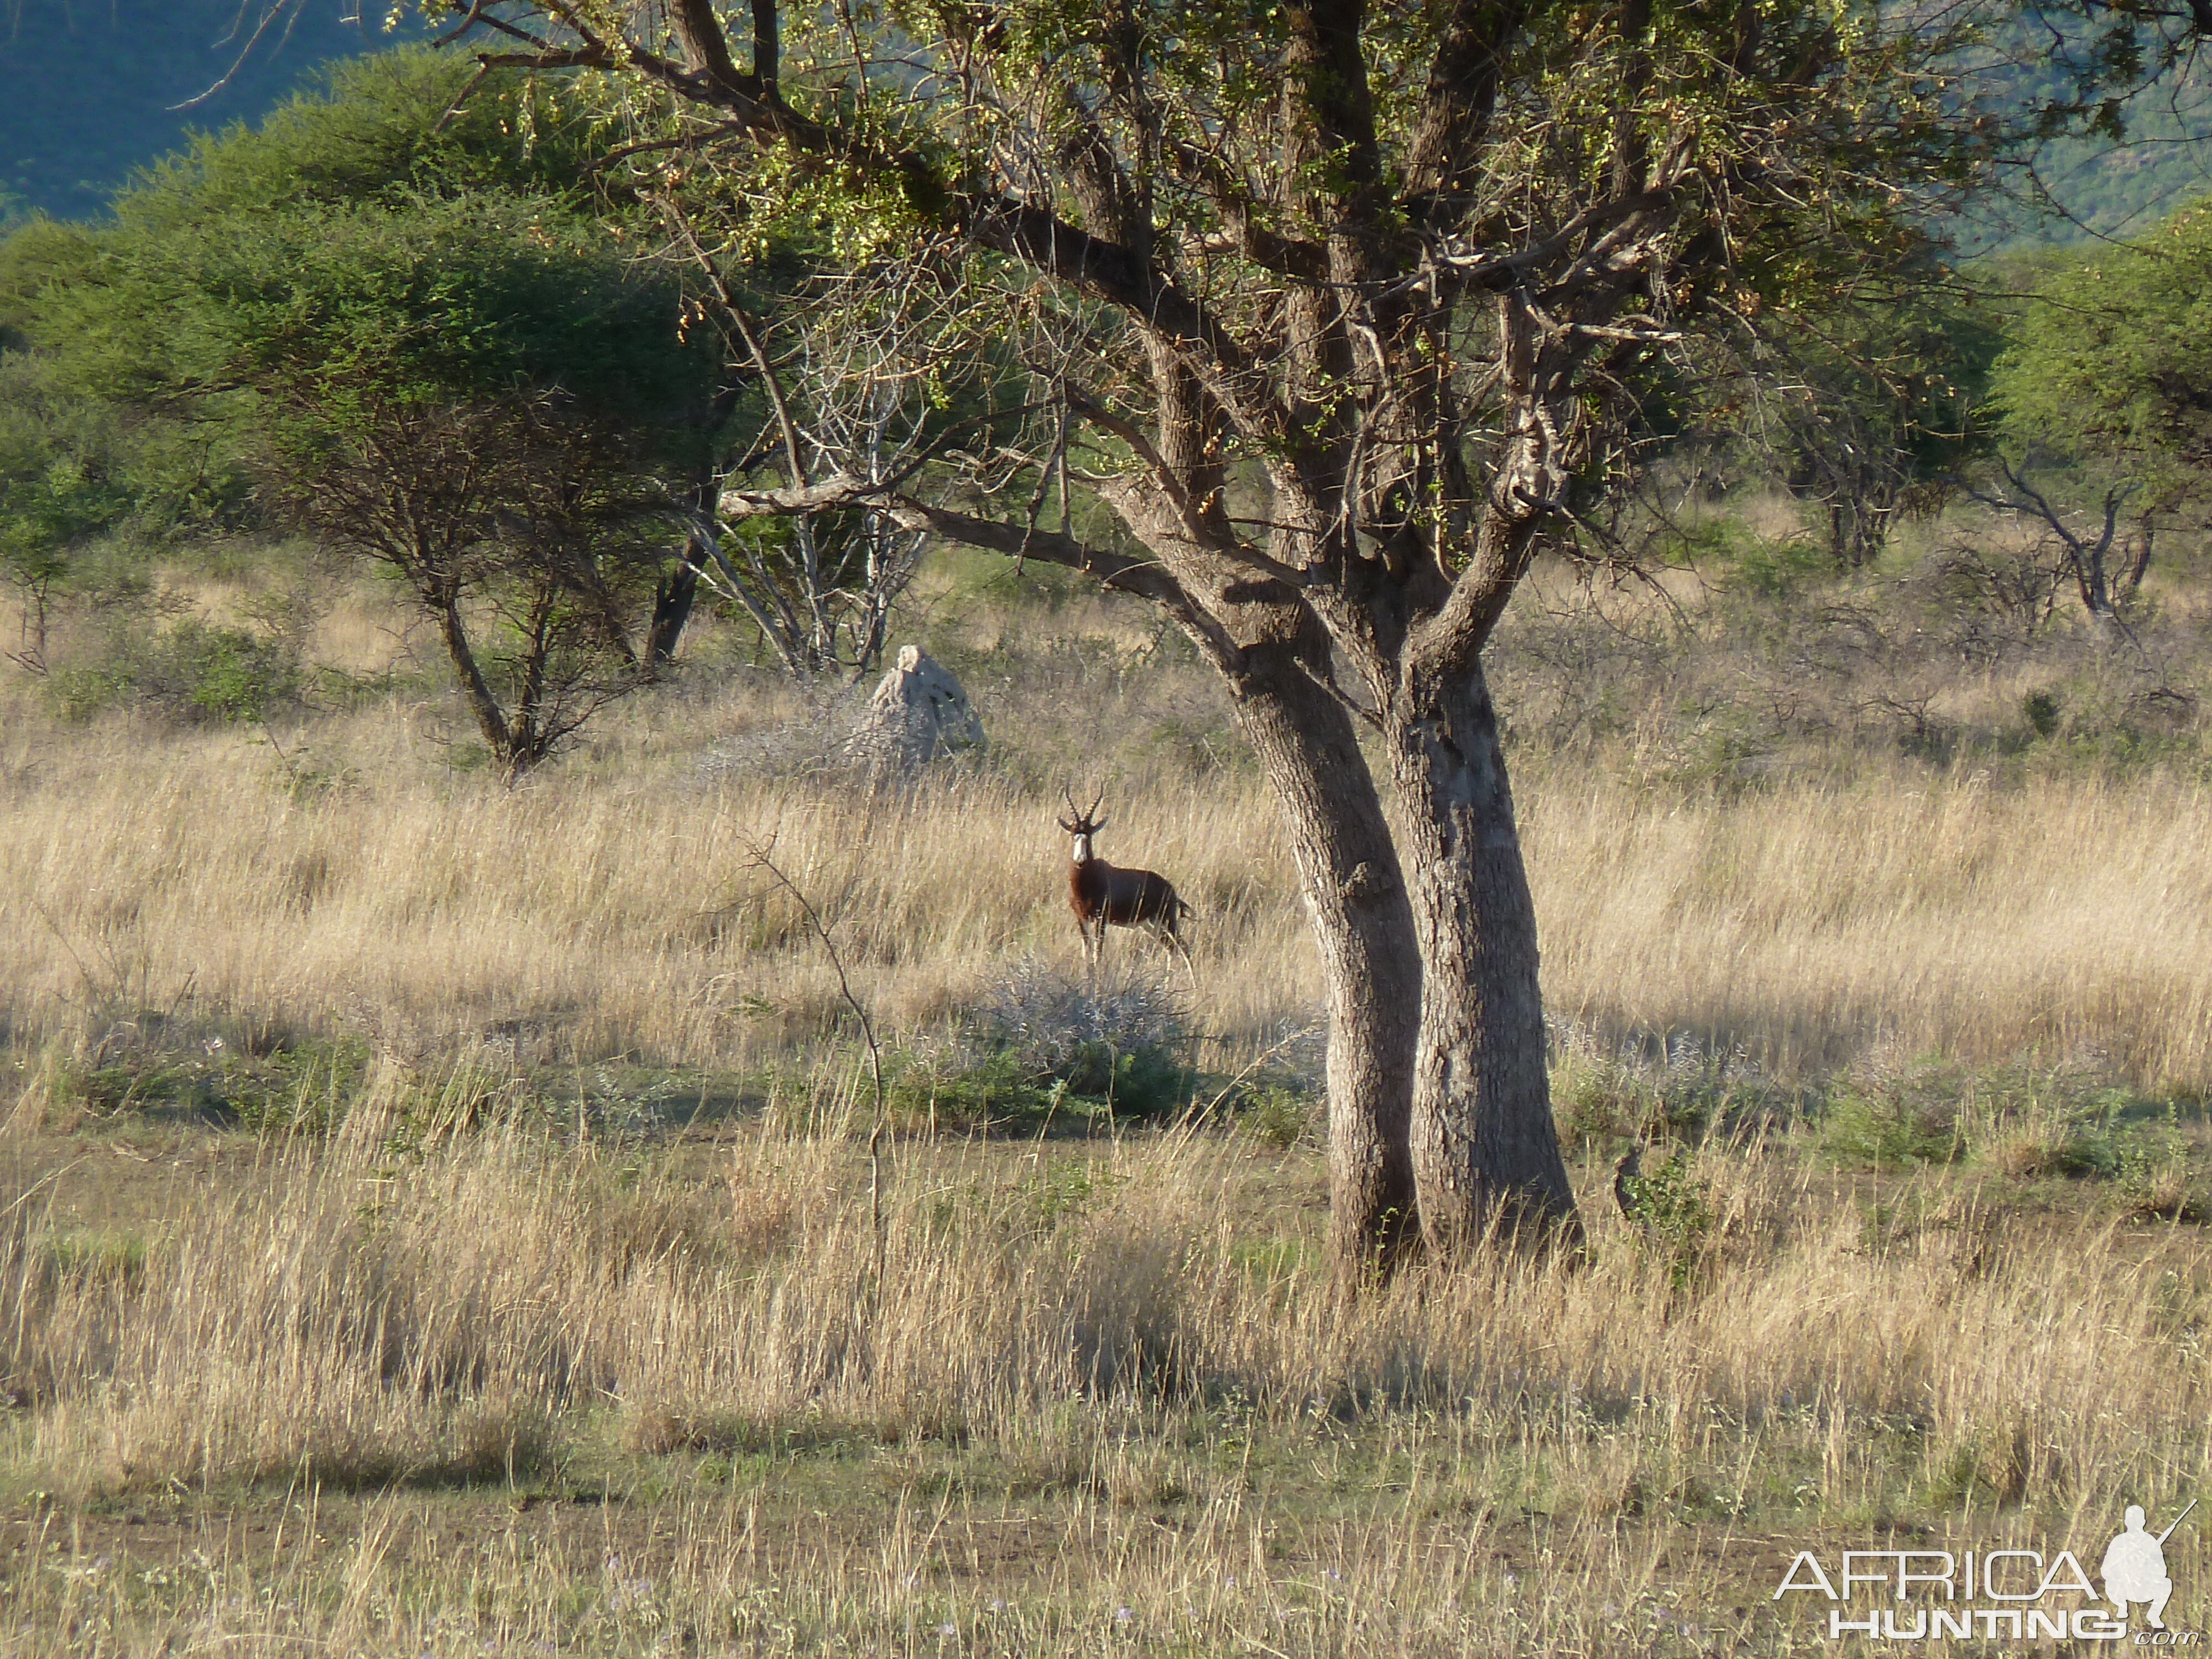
x,y
1485,1150
491,720
1363,923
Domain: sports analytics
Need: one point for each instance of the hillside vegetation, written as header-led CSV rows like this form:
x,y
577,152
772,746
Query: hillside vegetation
x,y
97,94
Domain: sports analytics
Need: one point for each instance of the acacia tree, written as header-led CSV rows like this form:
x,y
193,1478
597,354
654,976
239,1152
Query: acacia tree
x,y
472,392
1861,404
1354,284
2101,401
428,352
2108,375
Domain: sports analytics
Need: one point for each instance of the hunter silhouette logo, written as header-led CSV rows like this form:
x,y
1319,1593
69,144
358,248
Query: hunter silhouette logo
x,y
2134,1568
1931,1595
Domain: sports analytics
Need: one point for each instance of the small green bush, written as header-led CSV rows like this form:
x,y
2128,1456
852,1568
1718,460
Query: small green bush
x,y
2024,1121
1905,1118
300,1085
1602,1093
1063,1191
1278,1116
1120,1040
1672,1211
2155,1174
190,672
956,1085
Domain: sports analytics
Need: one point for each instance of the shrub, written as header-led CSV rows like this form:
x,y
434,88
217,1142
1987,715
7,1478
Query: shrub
x,y
2044,1136
2025,1120
1897,1117
955,1084
185,1070
1688,1088
2155,1178
1278,1116
1120,1039
191,671
1672,1211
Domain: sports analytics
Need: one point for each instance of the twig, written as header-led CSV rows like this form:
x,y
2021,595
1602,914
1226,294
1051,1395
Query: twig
x,y
289,10
91,986
759,858
277,749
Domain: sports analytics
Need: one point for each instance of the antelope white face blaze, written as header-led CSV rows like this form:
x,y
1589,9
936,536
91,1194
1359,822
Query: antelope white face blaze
x,y
1082,853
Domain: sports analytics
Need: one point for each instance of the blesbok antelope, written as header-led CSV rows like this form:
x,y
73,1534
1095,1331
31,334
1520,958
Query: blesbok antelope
x,y
1103,896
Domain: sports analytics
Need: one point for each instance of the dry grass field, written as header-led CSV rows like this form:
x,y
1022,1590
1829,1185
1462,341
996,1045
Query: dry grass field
x,y
435,1218
514,1395
611,907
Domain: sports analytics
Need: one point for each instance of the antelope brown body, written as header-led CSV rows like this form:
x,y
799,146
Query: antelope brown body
x,y
1102,896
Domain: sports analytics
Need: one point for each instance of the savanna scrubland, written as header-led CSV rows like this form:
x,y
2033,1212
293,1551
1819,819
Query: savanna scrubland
x,y
511,1143
441,1215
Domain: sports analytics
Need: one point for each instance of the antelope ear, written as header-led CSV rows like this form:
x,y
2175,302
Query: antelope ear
x,y
1096,827
1066,825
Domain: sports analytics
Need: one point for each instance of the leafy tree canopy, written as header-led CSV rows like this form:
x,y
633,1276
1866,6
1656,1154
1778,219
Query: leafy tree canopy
x,y
332,308
385,128
427,341
2111,362
372,243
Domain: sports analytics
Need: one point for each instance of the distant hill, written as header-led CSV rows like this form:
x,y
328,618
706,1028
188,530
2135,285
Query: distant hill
x,y
2166,165
89,88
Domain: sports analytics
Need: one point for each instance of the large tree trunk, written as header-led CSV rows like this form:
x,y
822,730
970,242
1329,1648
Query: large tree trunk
x,y
1274,654
1363,924
1485,1150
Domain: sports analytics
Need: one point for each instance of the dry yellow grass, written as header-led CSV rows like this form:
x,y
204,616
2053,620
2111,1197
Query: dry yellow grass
x,y
1812,923
609,907
1108,1351
409,1390
618,909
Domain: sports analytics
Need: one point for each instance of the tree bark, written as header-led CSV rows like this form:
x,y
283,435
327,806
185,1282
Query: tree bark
x,y
491,720
1485,1150
1363,923
671,605
2138,567
530,733
1274,653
